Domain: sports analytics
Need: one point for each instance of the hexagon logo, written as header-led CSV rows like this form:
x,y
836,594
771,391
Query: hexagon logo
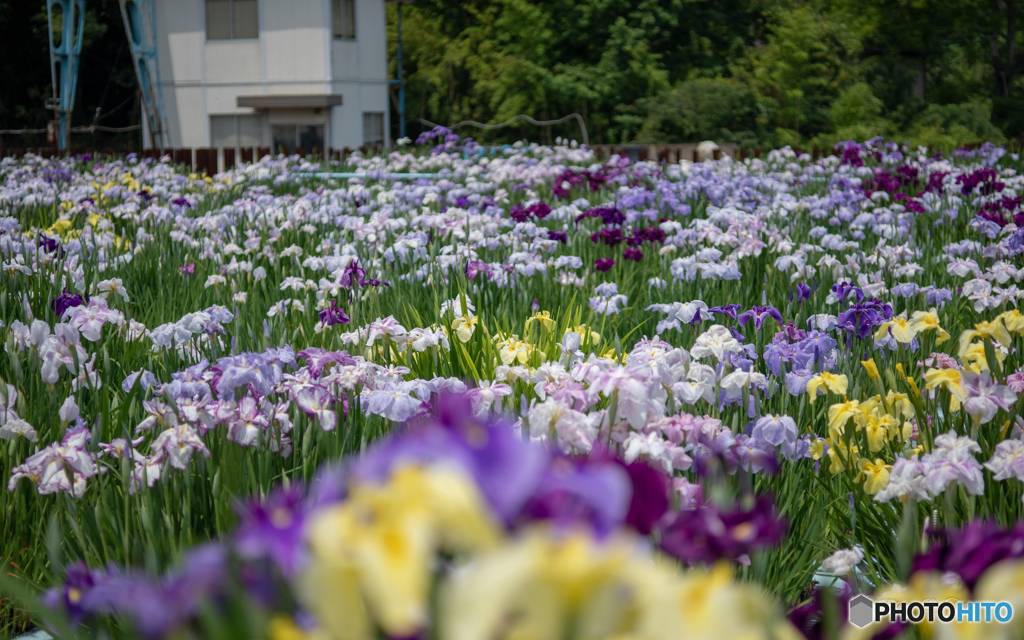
x,y
861,610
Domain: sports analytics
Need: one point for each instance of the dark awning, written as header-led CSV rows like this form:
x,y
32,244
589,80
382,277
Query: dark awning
x,y
306,101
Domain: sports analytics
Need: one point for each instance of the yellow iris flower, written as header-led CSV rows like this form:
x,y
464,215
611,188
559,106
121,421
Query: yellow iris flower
x,y
373,555
874,474
544,584
839,454
839,414
544,318
817,449
901,329
1013,320
837,384
464,326
899,404
990,330
950,380
923,321
871,368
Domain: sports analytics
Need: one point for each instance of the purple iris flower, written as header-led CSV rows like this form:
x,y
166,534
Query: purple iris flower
x,y
609,236
604,264
75,595
318,359
188,383
759,314
274,529
48,244
582,491
796,381
861,319
560,236
353,273
844,289
146,380
376,282
333,315
649,500
160,606
66,301
970,551
506,469
803,292
189,269
632,253
774,431
706,535
811,618
727,310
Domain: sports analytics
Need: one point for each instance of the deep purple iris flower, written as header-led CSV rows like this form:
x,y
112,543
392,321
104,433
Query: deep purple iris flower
x,y
48,244
560,236
604,264
727,310
632,253
66,301
353,273
861,319
333,315
649,501
970,551
608,215
274,529
844,289
706,535
608,236
803,292
651,234
759,315
376,282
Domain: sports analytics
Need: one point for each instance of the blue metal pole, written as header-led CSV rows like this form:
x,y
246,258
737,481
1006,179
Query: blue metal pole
x,y
64,61
401,82
140,25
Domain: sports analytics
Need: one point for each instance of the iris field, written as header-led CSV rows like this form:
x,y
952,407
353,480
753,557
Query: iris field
x,y
536,395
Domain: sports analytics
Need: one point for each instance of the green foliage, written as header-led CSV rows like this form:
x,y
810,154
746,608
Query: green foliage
x,y
947,125
718,109
756,72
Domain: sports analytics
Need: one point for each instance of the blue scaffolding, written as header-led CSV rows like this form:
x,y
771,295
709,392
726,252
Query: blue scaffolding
x,y
66,19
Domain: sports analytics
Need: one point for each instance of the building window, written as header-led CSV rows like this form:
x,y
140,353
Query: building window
x,y
232,20
289,137
343,18
373,128
236,131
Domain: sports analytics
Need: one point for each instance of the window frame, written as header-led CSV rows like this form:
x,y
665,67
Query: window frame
x,y
231,23
383,125
258,118
355,31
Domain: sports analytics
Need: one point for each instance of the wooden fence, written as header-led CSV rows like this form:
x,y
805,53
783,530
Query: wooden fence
x,y
207,160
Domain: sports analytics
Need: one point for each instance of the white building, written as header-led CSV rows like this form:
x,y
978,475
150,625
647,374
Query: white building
x,y
274,73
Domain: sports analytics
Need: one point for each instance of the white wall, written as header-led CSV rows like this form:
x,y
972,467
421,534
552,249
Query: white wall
x,y
294,54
